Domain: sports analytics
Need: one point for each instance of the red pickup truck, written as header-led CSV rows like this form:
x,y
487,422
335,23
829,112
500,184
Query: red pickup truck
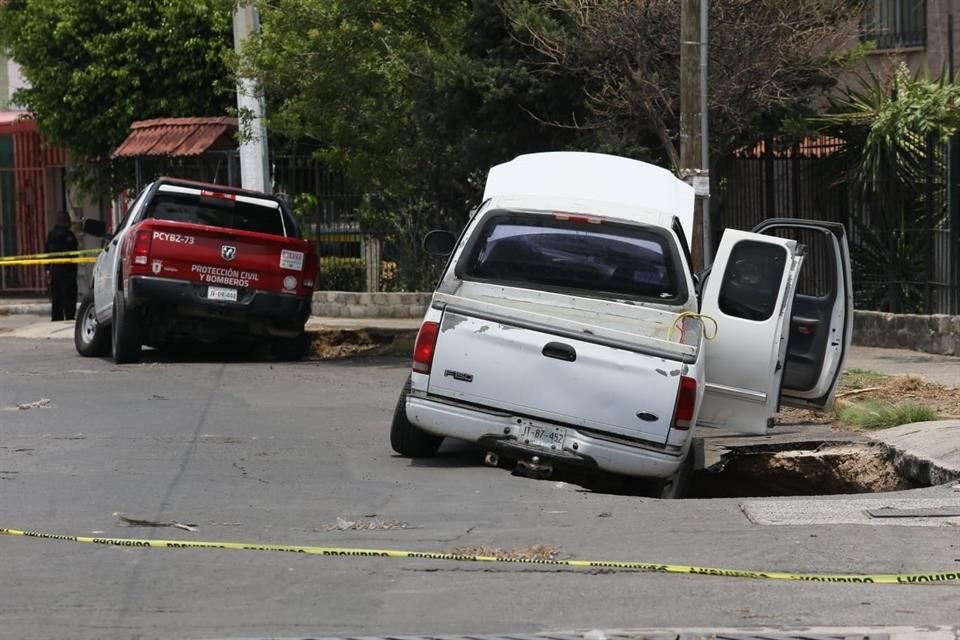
x,y
196,261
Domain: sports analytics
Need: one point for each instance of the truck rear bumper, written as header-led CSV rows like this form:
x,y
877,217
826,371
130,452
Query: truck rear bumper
x,y
498,431
285,309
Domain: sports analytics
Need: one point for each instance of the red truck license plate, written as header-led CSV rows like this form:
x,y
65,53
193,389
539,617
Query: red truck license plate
x,y
221,293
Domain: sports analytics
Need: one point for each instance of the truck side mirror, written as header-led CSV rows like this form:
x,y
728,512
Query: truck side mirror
x,y
439,243
95,228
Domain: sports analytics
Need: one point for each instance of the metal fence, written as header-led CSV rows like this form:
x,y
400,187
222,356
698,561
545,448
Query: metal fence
x,y
328,210
903,262
326,206
31,192
905,256
895,24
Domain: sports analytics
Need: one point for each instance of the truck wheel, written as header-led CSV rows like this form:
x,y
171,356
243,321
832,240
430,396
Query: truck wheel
x,y
677,485
91,338
126,332
406,438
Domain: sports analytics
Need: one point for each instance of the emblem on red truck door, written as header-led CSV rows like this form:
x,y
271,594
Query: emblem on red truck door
x,y
228,252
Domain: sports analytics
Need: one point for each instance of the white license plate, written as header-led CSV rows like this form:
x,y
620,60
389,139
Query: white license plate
x,y
221,293
542,435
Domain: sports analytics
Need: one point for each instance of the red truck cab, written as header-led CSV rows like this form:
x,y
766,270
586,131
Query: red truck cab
x,y
201,262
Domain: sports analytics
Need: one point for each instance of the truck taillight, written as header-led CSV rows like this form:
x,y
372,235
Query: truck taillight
x,y
217,194
141,247
426,343
567,217
686,403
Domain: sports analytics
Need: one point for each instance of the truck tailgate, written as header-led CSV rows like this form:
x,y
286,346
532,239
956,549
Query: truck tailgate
x,y
576,382
228,258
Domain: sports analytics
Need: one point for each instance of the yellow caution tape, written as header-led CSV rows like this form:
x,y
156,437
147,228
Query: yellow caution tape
x,y
649,567
60,257
55,254
25,263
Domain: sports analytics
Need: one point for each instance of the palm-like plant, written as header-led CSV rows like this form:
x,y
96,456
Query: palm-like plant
x,y
892,162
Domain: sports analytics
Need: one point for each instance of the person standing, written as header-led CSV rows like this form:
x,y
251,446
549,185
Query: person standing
x,y
62,278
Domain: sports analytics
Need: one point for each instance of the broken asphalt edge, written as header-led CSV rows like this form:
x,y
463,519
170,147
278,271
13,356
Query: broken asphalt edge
x,y
923,450
359,341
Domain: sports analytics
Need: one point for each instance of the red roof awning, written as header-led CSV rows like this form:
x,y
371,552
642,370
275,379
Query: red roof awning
x,y
810,147
179,137
16,122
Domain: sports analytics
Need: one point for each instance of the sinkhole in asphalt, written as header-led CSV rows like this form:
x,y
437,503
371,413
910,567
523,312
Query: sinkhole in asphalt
x,y
803,469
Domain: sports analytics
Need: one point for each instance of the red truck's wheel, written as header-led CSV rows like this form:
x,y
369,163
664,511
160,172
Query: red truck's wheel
x,y
406,438
91,338
126,332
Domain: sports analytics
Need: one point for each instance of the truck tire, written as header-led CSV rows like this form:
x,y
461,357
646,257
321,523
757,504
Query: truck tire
x,y
126,332
677,485
91,338
406,438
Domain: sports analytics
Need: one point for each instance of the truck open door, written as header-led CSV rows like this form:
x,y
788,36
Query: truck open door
x,y
782,331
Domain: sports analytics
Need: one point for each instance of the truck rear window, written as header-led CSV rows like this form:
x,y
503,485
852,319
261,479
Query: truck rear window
x,y
610,260
228,214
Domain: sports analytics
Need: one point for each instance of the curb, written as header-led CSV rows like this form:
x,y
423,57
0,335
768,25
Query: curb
x,y
32,308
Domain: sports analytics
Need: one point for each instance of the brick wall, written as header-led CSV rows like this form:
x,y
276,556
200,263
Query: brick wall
x,y
345,304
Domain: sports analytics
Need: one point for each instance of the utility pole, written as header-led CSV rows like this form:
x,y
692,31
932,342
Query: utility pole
x,y
254,155
694,147
953,178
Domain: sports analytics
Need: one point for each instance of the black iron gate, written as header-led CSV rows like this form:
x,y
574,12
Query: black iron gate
x,y
905,259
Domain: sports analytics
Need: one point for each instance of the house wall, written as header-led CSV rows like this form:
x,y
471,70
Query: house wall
x,y
10,80
935,55
4,84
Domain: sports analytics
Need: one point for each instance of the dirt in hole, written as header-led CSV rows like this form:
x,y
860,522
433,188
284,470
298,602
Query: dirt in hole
x,y
337,344
828,469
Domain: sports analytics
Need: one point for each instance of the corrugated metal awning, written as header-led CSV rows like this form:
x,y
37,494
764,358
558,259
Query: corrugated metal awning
x,y
809,147
179,137
16,122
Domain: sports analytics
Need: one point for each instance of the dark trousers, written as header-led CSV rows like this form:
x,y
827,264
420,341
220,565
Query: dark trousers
x,y
63,296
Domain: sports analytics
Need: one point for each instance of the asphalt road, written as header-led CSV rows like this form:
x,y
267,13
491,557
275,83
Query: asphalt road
x,y
275,453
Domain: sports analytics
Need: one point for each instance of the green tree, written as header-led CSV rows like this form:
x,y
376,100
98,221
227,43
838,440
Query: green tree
x,y
894,129
95,66
415,100
767,59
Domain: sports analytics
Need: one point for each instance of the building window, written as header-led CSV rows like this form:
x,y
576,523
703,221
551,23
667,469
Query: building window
x,y
896,23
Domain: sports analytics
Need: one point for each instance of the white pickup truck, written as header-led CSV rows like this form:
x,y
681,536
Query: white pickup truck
x,y
569,327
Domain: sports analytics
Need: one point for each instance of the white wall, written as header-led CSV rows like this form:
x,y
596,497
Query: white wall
x,y
10,80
